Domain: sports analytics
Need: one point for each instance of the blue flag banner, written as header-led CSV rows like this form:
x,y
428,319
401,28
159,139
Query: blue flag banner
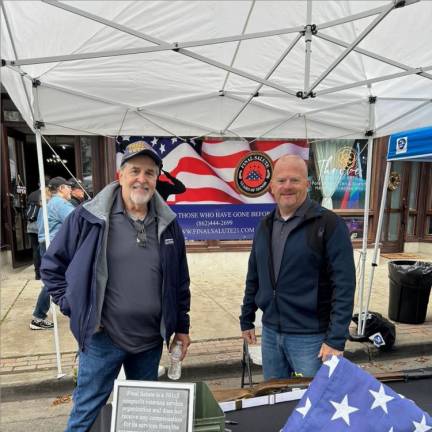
x,y
343,397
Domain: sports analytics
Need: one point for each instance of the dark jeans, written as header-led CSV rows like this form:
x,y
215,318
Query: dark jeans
x,y
43,302
99,365
36,253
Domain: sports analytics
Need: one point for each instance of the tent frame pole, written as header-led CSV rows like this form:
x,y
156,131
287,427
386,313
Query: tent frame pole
x,y
176,45
377,243
60,373
413,71
258,88
239,43
182,51
352,45
370,54
372,101
308,43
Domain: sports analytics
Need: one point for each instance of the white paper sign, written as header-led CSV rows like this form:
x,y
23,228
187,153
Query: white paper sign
x,y
140,406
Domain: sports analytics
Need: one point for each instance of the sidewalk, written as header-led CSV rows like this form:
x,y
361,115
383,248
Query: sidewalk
x,y
217,284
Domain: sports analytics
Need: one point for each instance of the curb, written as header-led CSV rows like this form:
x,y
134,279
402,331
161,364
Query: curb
x,y
213,370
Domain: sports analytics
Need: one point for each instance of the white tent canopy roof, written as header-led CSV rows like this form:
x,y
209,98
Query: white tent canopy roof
x,y
190,68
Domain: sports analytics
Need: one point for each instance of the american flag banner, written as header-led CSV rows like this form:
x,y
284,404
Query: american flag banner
x,y
343,397
213,206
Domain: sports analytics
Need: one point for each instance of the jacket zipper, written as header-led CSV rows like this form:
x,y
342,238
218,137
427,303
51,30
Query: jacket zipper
x,y
84,329
87,319
271,269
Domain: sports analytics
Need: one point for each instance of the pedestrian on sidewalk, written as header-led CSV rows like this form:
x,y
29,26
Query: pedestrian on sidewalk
x,y
77,192
32,211
58,209
118,269
301,274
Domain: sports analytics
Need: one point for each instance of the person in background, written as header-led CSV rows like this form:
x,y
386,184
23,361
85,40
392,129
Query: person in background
x,y
301,274
32,211
77,192
118,269
58,209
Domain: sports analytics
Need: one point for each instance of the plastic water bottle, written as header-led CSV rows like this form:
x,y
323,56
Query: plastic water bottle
x,y
174,371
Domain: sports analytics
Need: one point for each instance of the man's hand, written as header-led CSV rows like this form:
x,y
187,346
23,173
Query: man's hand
x,y
327,351
182,337
249,336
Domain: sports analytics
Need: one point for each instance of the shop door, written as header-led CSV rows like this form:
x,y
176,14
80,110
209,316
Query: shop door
x,y
15,198
401,201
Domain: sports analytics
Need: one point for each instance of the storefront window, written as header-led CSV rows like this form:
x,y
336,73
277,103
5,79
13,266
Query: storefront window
x,y
338,173
393,233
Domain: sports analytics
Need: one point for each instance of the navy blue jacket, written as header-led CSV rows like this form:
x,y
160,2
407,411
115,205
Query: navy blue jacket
x,y
314,292
73,272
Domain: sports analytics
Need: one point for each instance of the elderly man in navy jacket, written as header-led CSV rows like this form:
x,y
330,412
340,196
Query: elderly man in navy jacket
x,y
118,269
301,275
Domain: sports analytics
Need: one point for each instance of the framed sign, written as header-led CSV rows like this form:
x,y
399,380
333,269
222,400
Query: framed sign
x,y
152,406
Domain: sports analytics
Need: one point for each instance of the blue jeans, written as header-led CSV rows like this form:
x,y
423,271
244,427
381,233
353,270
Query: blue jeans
x,y
283,354
99,366
43,302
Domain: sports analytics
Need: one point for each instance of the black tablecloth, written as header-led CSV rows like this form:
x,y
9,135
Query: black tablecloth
x,y
271,418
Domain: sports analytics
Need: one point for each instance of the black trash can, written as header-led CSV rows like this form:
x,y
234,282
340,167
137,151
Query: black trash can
x,y
410,286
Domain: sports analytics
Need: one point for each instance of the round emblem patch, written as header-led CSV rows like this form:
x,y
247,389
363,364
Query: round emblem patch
x,y
253,174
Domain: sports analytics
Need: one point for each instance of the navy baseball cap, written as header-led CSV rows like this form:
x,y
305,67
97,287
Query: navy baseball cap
x,y
139,148
76,184
56,182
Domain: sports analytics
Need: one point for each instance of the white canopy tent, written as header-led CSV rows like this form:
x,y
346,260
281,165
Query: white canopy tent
x,y
297,69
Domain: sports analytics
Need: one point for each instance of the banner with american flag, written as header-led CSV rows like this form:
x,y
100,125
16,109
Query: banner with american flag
x,y
343,397
225,181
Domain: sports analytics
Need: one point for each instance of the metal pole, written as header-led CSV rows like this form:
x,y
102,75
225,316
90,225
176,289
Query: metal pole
x,y
308,42
366,215
377,242
60,374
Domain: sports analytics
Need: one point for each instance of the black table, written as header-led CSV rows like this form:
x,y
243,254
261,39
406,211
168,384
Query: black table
x,y
273,417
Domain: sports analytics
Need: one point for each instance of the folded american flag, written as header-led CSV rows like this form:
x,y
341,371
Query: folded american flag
x,y
343,397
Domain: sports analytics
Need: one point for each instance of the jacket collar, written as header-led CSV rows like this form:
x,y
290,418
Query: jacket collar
x,y
100,206
313,210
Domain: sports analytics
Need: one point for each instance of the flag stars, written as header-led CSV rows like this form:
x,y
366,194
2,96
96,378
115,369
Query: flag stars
x,y
381,399
173,140
332,363
154,141
422,426
162,148
304,410
343,410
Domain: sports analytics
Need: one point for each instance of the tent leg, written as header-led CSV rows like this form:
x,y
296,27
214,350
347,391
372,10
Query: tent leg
x,y
377,242
366,216
60,374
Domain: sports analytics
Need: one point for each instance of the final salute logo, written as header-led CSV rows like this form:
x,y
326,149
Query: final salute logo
x,y
253,174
